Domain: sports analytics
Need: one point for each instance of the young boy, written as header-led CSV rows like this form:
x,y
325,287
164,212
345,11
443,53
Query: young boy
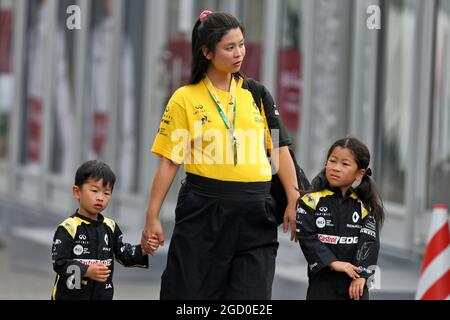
x,y
86,244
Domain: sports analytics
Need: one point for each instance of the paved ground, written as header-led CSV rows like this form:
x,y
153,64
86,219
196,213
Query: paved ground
x,y
398,278
23,284
26,273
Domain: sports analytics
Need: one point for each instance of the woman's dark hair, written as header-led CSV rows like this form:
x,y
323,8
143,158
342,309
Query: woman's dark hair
x,y
97,170
207,34
367,190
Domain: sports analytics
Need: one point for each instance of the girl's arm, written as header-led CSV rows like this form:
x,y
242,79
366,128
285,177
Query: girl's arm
x,y
366,255
356,288
368,246
161,183
347,267
316,253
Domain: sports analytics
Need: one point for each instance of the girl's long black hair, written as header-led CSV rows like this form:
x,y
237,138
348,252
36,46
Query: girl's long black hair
x,y
207,34
367,191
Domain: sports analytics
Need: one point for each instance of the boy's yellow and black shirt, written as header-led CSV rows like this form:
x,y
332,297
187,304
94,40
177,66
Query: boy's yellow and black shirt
x,y
193,133
80,242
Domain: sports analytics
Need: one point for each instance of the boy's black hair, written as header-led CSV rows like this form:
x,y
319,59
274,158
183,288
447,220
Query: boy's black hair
x,y
207,34
367,191
97,170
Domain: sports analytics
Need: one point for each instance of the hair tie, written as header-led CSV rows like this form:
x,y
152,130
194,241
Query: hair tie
x,y
369,172
204,15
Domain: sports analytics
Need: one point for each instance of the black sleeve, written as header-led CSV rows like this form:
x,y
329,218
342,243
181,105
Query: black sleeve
x,y
368,246
127,254
63,263
274,120
316,253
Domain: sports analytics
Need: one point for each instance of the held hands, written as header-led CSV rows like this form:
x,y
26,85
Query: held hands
x,y
152,244
347,267
356,289
98,272
152,237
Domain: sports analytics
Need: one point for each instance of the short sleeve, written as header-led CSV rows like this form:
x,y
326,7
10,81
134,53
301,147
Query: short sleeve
x,y
173,139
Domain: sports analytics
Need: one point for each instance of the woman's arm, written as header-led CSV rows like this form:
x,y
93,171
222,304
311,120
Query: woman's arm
x,y
161,183
288,177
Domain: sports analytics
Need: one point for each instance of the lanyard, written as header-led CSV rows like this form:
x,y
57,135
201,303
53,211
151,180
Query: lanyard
x,y
220,109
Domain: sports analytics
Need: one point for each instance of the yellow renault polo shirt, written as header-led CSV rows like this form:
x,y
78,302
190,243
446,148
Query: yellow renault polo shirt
x,y
193,133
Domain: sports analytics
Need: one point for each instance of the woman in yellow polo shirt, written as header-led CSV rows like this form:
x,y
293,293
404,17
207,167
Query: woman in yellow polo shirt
x,y
224,243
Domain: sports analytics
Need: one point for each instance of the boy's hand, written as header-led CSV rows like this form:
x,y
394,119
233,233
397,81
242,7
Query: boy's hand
x,y
347,267
356,288
151,246
153,243
153,229
98,272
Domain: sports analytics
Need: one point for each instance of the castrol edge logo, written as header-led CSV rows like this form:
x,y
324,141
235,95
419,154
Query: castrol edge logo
x,y
325,238
89,262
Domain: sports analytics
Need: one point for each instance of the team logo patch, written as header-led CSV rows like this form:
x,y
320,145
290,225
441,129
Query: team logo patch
x,y
78,249
355,217
276,111
369,232
68,226
258,120
205,120
363,252
328,239
325,238
312,266
90,262
55,243
310,199
320,222
371,223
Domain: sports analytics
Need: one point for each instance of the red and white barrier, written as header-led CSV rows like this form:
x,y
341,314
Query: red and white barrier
x,y
434,282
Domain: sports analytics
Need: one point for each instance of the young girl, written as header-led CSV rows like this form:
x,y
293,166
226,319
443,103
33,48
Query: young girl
x,y
338,223
224,242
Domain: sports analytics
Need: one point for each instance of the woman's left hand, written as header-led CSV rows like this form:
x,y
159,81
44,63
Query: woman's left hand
x,y
356,289
290,220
